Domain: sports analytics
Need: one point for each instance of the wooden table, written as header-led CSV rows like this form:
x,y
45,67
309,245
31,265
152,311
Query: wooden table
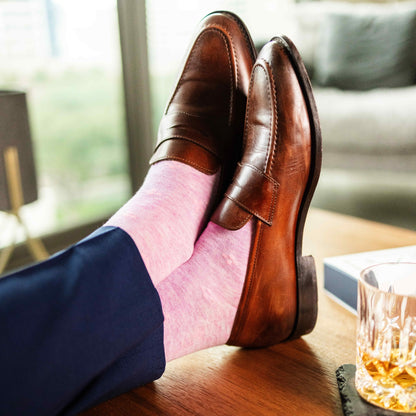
x,y
294,378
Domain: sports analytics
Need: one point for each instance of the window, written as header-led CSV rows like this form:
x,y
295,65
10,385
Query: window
x,y
170,25
66,56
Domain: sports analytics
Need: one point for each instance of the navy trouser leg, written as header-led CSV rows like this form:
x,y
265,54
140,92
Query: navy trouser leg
x,y
79,328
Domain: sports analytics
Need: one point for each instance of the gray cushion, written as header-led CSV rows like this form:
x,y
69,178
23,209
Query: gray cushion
x,y
362,52
377,122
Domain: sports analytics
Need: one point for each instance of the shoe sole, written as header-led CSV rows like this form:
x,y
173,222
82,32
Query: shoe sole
x,y
307,305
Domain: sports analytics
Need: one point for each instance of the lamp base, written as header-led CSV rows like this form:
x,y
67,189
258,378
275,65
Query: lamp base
x,y
35,245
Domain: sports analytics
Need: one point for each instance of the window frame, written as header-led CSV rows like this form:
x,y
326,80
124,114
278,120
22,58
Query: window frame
x,y
138,125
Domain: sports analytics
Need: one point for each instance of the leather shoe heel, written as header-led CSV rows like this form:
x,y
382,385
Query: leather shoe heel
x,y
307,296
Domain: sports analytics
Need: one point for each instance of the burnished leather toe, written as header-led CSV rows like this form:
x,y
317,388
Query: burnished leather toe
x,y
273,185
203,123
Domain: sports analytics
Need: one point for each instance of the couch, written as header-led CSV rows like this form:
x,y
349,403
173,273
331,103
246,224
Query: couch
x,y
362,62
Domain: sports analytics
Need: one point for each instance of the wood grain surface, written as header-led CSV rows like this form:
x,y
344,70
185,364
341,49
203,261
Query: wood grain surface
x,y
293,378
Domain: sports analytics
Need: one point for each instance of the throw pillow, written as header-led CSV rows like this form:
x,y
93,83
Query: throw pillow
x,y
361,52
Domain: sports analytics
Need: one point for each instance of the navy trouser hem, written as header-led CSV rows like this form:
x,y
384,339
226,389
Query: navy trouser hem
x,y
79,328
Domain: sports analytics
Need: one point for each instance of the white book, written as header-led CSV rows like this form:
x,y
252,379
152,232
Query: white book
x,y
341,273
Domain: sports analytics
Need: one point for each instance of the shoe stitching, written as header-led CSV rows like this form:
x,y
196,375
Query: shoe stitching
x,y
237,71
276,124
164,135
249,45
191,58
230,105
270,112
217,27
275,184
187,161
259,171
252,211
250,91
176,136
243,30
186,113
274,205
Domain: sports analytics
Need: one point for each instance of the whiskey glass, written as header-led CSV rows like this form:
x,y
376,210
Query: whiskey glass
x,y
386,336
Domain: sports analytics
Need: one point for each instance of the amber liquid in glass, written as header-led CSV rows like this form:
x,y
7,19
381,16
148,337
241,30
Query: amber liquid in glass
x,y
386,345
397,381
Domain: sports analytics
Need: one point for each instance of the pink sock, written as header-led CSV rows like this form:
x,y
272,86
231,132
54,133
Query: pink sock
x,y
200,299
166,215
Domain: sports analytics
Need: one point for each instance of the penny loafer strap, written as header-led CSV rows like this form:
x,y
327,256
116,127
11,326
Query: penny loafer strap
x,y
255,192
177,140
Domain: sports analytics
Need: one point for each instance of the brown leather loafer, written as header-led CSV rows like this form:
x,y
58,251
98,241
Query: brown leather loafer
x,y
274,184
203,122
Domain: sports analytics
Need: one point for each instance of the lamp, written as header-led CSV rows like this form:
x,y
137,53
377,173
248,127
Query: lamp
x,y
18,184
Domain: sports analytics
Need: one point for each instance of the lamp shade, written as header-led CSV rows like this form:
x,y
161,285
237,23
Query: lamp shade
x,y
15,133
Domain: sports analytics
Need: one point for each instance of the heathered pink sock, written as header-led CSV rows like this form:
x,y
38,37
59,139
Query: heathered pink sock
x,y
166,215
200,298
